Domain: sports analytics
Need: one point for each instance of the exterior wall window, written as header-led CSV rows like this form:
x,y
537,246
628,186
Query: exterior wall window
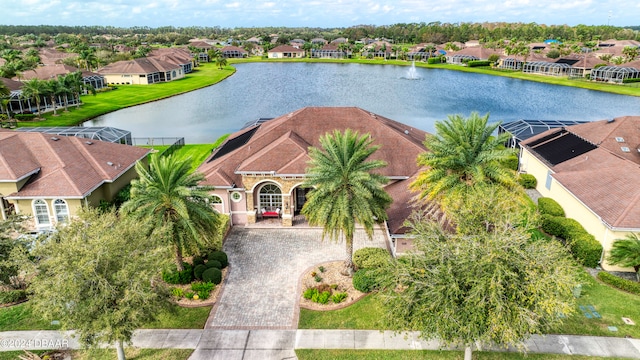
x,y
61,210
548,182
236,196
41,212
270,197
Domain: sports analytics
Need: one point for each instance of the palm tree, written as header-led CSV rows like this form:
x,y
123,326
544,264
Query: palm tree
x,y
88,58
167,195
4,101
75,85
221,62
34,89
55,88
345,191
626,252
463,153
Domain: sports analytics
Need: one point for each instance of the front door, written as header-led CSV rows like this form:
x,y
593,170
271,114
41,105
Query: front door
x,y
301,198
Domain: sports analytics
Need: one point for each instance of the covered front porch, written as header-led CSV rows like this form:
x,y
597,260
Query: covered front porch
x,y
276,202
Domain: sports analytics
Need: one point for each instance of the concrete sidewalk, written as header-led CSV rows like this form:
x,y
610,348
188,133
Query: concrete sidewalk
x,y
280,344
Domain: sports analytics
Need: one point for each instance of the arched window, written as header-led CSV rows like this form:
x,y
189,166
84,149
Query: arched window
x,y
61,210
41,212
270,197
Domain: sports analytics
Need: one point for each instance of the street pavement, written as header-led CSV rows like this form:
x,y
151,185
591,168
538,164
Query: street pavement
x,y
280,344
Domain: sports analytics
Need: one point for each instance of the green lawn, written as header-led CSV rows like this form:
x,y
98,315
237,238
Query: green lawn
x,y
130,95
308,354
21,317
610,303
110,354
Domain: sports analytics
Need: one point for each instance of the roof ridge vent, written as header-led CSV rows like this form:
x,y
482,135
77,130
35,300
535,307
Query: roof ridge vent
x,y
54,138
89,142
609,121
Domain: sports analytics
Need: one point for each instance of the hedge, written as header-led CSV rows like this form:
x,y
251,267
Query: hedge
x,y
476,63
550,207
528,181
434,60
631,80
24,117
620,283
365,280
584,246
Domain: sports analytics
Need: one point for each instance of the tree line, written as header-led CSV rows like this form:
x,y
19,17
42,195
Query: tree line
x,y
436,32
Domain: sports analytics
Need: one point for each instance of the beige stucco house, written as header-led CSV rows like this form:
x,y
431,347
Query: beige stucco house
x,y
593,171
258,171
142,71
285,52
50,177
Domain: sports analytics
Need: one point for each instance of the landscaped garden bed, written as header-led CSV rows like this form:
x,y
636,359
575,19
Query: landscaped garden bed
x,y
324,288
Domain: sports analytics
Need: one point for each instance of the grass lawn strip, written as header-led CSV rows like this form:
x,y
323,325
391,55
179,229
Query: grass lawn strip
x,y
110,354
307,354
21,317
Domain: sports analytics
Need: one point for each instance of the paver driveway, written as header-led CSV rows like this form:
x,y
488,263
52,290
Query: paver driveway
x,y
261,290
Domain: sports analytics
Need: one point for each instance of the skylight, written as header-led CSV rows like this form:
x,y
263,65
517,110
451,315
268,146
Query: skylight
x,y
619,139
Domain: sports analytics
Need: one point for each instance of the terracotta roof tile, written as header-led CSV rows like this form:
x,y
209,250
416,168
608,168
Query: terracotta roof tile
x,y
69,166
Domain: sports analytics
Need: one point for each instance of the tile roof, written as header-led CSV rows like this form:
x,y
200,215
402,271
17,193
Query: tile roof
x,y
52,71
285,48
138,66
66,166
11,84
607,178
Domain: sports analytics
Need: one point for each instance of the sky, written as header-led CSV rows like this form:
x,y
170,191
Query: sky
x,y
314,13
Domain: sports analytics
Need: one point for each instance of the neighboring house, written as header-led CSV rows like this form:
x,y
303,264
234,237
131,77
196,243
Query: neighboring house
x,y
48,72
285,52
469,54
234,52
51,177
259,170
593,171
49,56
329,51
177,56
141,71
617,74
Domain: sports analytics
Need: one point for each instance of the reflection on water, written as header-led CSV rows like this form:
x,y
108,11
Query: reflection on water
x,y
272,89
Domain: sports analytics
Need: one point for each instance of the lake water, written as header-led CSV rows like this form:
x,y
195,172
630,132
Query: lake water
x,y
263,90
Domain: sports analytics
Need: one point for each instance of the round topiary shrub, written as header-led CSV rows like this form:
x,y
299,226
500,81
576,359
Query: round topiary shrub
x,y
198,270
219,256
527,181
364,280
550,207
213,264
197,260
212,275
371,258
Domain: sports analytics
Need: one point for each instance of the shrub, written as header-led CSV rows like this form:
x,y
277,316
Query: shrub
x,y
321,297
213,264
177,292
317,278
434,60
189,294
364,280
528,181
4,117
212,275
338,297
586,249
203,289
12,296
198,270
321,268
308,294
620,283
476,63
197,260
549,206
179,277
630,80
220,256
584,246
24,117
511,162
371,258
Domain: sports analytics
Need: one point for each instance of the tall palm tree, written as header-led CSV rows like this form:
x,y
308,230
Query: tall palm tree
x,y
75,85
55,88
34,89
463,153
346,190
221,62
167,195
626,252
4,98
